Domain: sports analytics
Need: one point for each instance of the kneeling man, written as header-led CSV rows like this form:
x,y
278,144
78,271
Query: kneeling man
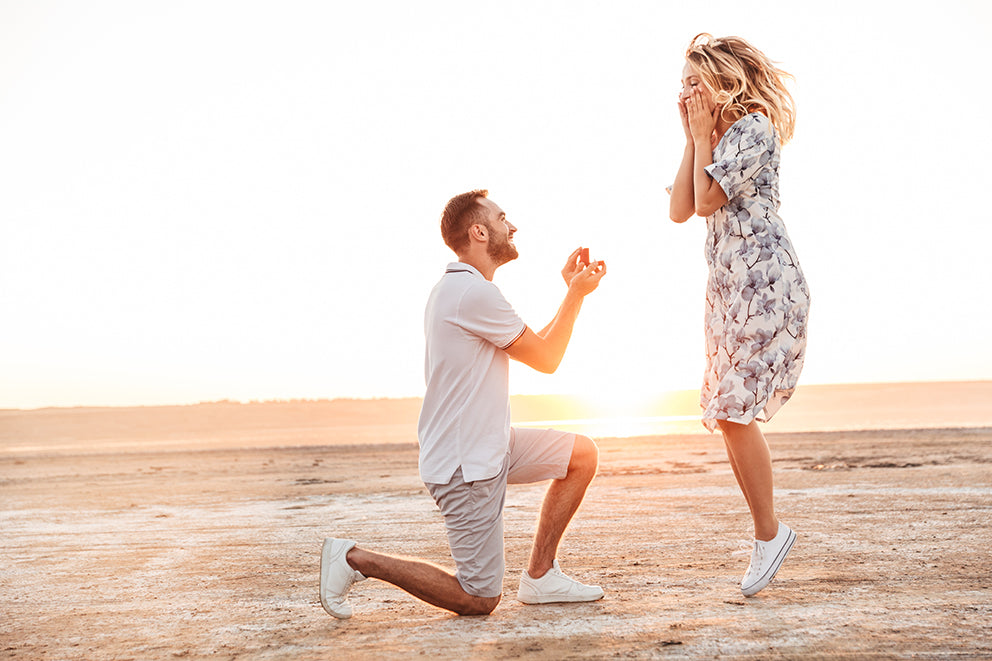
x,y
468,451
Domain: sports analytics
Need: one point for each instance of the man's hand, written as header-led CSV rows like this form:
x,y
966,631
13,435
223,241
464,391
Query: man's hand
x,y
543,351
572,267
587,279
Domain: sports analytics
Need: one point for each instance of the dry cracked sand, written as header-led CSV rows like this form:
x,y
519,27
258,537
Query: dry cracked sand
x,y
182,552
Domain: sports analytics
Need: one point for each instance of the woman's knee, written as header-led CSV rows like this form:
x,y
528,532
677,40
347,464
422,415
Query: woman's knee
x,y
735,430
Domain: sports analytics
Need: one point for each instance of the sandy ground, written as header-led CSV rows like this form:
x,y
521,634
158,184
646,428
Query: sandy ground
x,y
184,553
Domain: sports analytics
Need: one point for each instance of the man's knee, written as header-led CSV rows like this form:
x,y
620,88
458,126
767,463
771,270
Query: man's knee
x,y
478,605
585,456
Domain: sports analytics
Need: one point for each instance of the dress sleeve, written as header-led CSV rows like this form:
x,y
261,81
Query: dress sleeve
x,y
750,145
486,313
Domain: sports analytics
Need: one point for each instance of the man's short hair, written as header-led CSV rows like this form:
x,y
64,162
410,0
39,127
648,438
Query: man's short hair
x,y
460,213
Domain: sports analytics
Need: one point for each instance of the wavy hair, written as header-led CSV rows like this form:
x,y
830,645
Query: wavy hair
x,y
743,80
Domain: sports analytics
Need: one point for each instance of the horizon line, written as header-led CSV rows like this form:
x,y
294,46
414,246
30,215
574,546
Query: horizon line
x,y
318,400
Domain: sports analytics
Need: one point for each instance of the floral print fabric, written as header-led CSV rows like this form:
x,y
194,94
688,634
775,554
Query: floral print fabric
x,y
757,299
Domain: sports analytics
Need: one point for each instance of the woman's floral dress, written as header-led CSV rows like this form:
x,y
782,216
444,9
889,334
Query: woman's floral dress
x,y
757,300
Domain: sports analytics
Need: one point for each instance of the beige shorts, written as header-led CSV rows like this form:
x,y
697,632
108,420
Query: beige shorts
x,y
473,511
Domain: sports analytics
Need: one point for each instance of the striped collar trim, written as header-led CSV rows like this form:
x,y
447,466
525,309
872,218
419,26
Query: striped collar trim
x,y
461,267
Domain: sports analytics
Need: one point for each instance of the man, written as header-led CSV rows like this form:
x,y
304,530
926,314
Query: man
x,y
468,451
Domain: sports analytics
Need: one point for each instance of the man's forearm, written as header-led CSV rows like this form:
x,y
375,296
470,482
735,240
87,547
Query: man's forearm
x,y
558,333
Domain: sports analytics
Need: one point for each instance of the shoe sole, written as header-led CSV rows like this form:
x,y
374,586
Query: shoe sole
x,y
327,559
776,565
557,600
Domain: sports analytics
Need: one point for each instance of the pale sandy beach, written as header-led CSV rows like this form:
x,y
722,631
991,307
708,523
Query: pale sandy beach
x,y
158,534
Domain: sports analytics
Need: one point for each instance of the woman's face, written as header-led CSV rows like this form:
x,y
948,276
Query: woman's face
x,y
691,80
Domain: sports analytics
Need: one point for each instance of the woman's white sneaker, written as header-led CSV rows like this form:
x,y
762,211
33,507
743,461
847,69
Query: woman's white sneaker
x,y
555,587
766,558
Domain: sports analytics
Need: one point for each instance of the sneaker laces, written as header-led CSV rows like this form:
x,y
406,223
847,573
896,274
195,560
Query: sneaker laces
x,y
556,571
757,555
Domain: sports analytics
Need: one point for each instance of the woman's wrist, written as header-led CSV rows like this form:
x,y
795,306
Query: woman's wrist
x,y
701,139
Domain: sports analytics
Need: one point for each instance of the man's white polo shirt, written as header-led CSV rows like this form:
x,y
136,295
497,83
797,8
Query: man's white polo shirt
x,y
465,419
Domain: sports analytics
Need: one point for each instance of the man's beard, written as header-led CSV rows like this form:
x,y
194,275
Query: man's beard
x,y
502,252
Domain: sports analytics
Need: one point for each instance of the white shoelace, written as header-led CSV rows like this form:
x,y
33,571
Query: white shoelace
x,y
757,556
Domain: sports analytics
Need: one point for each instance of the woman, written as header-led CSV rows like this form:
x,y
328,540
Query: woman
x,y
736,112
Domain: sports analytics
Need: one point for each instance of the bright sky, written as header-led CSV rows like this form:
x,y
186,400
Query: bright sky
x,y
239,200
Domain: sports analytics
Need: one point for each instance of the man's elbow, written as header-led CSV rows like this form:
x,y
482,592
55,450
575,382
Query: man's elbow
x,y
547,364
547,367
680,217
540,363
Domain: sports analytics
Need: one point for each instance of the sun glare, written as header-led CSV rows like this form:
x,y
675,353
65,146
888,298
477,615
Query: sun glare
x,y
620,403
639,403
615,413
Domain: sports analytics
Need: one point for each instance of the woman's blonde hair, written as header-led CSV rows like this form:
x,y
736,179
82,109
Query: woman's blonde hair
x,y
743,80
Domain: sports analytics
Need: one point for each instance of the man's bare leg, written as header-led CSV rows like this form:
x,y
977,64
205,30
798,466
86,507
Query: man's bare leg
x,y
423,580
560,504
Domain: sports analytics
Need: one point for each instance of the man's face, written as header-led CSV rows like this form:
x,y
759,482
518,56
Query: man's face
x,y
501,249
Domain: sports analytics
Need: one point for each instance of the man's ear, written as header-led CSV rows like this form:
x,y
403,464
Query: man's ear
x,y
478,232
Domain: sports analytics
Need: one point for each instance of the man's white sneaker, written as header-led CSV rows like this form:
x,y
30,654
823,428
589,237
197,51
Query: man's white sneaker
x,y
555,587
766,558
336,577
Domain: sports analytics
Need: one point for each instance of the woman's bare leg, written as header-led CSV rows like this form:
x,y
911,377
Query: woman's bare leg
x,y
752,464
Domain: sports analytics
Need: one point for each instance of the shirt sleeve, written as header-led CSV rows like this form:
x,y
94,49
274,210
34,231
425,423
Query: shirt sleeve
x,y
484,312
750,146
